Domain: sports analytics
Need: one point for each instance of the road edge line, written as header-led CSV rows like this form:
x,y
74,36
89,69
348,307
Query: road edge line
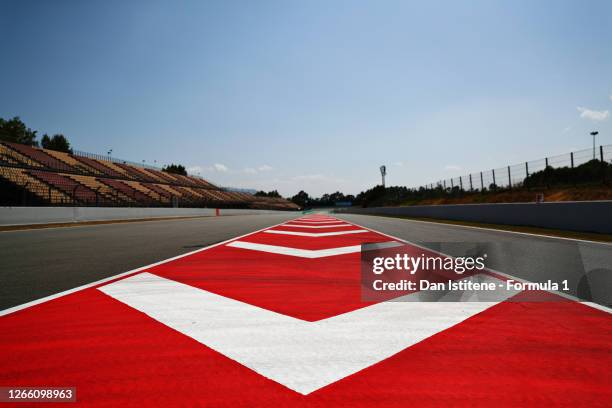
x,y
507,275
45,299
485,228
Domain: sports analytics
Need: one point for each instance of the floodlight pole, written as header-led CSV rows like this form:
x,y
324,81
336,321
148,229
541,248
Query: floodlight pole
x,y
383,173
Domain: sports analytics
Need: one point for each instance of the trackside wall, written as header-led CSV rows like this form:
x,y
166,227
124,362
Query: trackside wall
x,y
50,215
584,216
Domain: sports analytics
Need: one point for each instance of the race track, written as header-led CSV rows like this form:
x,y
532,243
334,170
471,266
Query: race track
x,y
39,263
276,318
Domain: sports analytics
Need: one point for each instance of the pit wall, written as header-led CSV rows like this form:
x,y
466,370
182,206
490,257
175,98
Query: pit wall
x,y
583,216
50,215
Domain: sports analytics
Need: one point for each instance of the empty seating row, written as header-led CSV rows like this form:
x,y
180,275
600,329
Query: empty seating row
x,y
37,157
29,184
69,189
32,157
67,185
62,178
71,162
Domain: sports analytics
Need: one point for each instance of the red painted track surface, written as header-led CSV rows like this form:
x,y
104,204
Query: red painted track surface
x,y
513,354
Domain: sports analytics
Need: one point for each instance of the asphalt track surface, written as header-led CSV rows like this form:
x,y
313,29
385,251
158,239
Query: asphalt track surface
x,y
275,318
586,265
39,263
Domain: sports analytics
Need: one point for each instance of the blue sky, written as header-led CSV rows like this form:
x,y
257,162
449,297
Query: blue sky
x,y
312,95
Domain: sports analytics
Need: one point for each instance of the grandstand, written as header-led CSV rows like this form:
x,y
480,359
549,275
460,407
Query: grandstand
x,y
33,176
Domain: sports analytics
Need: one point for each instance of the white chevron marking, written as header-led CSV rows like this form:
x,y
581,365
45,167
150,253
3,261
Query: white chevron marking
x,y
316,226
303,356
317,222
309,253
314,234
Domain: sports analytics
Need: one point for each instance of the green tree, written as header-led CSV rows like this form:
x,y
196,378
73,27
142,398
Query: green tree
x,y
175,169
14,130
302,199
56,142
273,193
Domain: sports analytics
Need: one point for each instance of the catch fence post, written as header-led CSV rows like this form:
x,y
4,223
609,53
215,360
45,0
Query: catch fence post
x,y
509,179
526,169
546,177
603,164
526,174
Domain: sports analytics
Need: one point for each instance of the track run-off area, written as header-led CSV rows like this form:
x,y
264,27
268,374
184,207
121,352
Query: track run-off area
x,y
275,318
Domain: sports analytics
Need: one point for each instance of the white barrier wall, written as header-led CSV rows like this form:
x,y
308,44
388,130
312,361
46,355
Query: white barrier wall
x,y
50,215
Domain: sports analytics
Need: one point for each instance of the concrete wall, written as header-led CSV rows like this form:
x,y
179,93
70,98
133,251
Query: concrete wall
x,y
49,215
585,216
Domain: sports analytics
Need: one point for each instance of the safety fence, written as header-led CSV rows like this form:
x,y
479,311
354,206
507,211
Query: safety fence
x,y
513,176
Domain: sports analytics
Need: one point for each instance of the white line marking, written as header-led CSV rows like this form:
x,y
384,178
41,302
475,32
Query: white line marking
x,y
305,253
317,226
507,275
494,230
119,275
316,222
315,234
303,356
556,292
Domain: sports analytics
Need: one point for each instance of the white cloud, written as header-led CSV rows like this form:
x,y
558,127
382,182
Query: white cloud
x,y
194,169
399,164
311,177
567,129
593,114
452,167
221,168
317,179
256,170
